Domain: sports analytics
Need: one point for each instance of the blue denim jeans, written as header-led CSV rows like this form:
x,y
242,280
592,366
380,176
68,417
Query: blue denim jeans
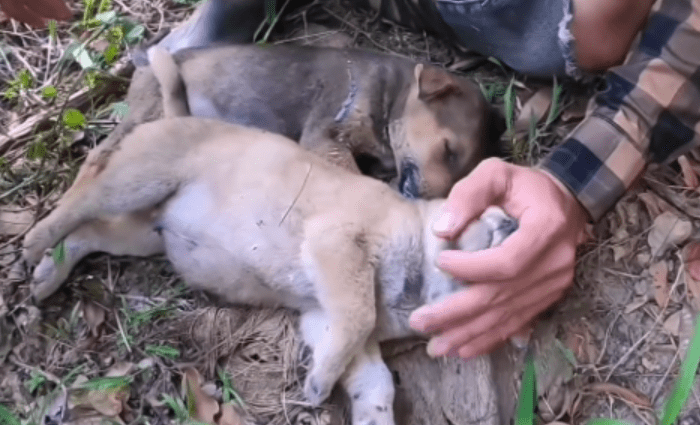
x,y
530,36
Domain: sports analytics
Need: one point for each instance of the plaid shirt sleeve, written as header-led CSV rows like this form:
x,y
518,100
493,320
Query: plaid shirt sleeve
x,y
649,111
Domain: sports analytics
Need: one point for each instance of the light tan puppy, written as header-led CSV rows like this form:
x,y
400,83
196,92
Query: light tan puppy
x,y
255,219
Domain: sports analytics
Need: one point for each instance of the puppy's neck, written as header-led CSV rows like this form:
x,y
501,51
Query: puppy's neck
x,y
437,282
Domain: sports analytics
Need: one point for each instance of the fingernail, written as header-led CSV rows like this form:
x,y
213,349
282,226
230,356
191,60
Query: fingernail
x,y
437,347
419,319
444,223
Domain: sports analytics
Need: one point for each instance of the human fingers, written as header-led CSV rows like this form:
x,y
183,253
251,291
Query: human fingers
x,y
521,250
487,341
469,197
518,309
456,307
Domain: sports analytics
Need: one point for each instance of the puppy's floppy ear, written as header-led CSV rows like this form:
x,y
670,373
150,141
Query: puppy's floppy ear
x,y
435,83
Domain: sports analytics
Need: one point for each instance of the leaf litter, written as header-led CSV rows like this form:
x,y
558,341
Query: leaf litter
x,y
85,342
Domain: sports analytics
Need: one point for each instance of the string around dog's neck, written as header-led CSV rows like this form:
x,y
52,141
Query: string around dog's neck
x,y
349,103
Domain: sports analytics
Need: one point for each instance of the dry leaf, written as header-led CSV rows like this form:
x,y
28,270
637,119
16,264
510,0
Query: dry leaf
x,y
668,230
205,407
690,177
15,222
533,110
108,402
686,329
691,258
672,324
659,275
100,45
580,341
120,369
651,202
94,316
623,393
229,416
636,303
622,246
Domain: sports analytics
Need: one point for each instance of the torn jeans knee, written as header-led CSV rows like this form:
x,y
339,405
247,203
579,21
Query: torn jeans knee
x,y
530,36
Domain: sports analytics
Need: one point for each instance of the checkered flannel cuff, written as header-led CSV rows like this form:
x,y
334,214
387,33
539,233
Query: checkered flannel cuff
x,y
598,163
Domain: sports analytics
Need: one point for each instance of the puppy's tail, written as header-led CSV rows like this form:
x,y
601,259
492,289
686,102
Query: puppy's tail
x,y
171,85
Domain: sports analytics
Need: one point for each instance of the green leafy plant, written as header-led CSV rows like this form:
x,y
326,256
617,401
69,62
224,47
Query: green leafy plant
x,y
109,383
23,81
228,393
6,417
177,406
37,149
49,92
36,381
164,351
73,119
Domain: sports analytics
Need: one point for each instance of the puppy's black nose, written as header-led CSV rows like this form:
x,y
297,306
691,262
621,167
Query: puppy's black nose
x,y
408,181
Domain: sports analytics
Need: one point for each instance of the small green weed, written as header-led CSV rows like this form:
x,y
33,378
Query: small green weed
x,y
229,394
164,351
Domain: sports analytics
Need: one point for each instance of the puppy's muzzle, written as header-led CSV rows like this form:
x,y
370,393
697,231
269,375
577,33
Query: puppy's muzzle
x,y
409,179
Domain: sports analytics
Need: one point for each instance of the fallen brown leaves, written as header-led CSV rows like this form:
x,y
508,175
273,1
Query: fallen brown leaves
x,y
202,406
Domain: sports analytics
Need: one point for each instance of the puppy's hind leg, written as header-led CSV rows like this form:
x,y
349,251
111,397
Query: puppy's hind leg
x,y
126,184
126,234
370,386
344,283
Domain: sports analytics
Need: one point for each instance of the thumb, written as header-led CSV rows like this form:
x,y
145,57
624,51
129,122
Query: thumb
x,y
483,187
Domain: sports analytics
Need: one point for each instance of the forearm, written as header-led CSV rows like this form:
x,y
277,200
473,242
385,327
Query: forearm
x,y
649,111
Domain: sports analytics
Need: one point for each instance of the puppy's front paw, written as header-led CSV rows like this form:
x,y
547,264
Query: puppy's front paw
x,y
500,224
34,244
367,413
47,277
317,389
492,228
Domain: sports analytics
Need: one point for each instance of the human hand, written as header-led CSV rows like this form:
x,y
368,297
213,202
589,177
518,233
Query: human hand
x,y
508,285
35,12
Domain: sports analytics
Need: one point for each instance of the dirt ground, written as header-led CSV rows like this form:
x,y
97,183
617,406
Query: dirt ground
x,y
610,349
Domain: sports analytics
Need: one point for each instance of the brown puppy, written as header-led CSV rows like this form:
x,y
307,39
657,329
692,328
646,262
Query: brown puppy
x,y
386,115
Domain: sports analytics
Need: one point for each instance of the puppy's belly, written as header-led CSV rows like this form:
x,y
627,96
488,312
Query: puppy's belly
x,y
233,252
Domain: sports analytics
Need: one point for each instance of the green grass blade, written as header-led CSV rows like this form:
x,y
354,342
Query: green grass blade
x,y
107,383
525,415
684,385
164,351
509,106
59,253
7,418
555,108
